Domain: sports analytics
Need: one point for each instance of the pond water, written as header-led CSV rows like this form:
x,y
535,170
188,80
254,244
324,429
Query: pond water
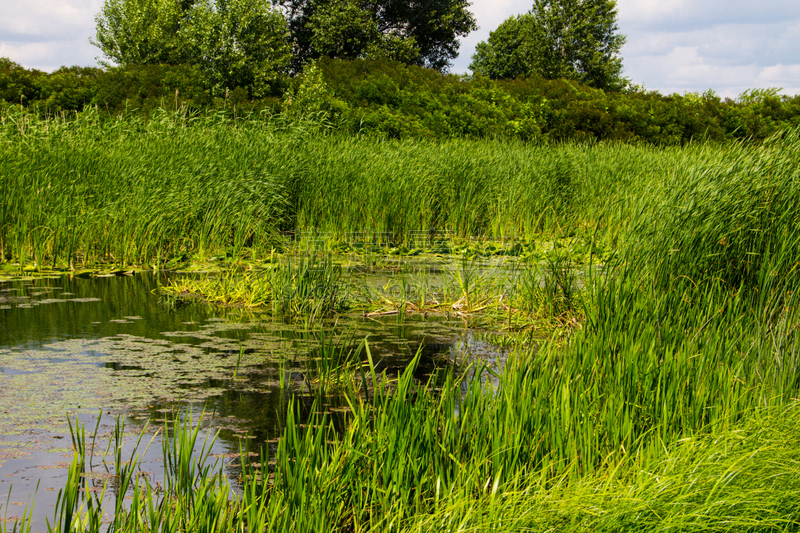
x,y
100,347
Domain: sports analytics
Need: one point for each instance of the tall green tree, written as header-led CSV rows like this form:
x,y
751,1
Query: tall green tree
x,y
507,52
141,32
342,29
422,32
239,43
571,39
234,43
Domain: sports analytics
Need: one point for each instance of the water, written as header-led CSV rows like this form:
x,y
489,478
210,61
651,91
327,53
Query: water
x,y
101,347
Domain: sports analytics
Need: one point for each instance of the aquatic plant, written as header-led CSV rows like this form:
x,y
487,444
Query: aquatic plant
x,y
412,455
336,365
309,286
181,188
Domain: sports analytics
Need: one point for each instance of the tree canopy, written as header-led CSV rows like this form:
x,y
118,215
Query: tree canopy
x,y
571,39
506,54
142,32
422,32
234,43
240,43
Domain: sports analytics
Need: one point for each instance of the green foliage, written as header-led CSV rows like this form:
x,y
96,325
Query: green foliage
x,y
425,34
239,43
18,84
345,29
71,88
394,47
398,100
234,43
406,101
578,39
141,32
311,100
342,29
570,39
505,54
149,87
392,99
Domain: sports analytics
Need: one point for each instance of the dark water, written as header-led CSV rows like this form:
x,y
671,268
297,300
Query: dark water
x,y
88,348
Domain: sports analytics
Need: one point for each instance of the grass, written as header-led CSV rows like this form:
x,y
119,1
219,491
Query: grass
x,y
166,192
671,405
309,286
413,459
517,294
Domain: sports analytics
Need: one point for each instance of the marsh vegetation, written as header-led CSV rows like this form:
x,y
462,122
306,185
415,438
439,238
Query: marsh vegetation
x,y
661,283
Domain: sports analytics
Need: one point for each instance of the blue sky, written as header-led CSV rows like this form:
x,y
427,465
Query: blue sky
x,y
673,45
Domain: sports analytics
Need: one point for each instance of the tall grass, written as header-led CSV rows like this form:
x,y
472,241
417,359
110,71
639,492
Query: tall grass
x,y
413,458
133,193
83,191
671,407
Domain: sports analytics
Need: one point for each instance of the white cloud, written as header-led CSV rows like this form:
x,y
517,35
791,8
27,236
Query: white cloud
x,y
46,34
48,20
50,55
681,15
684,69
688,45
784,76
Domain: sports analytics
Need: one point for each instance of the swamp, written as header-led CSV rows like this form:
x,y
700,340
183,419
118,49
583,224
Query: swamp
x,y
209,324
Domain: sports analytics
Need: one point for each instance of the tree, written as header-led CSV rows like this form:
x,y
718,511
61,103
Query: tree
x,y
572,39
234,43
423,32
141,32
239,43
341,29
17,84
506,54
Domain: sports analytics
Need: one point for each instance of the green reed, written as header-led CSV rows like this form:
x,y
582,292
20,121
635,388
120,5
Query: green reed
x,y
308,286
127,191
671,406
335,365
544,448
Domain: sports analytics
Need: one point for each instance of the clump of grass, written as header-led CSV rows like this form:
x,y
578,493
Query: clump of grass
x,y
336,365
17,524
309,287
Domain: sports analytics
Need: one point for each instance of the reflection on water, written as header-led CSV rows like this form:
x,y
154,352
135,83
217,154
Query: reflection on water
x,y
81,347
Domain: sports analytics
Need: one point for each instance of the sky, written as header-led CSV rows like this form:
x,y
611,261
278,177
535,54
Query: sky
x,y
673,46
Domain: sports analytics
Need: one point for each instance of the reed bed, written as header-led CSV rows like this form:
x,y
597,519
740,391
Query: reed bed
x,y
84,191
672,408
412,458
520,294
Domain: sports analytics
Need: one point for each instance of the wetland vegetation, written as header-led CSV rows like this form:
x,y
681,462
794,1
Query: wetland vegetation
x,y
660,286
